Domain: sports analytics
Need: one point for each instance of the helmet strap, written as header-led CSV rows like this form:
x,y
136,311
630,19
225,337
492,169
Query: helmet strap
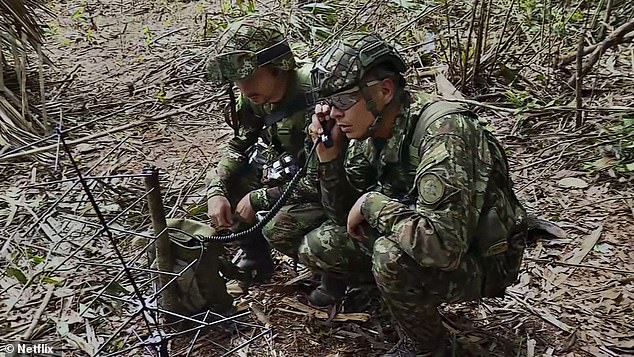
x,y
272,53
232,117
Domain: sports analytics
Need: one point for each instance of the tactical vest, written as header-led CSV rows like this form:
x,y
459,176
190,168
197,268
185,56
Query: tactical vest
x,y
287,133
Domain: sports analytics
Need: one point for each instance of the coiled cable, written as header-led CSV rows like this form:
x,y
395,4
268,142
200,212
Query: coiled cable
x,y
271,213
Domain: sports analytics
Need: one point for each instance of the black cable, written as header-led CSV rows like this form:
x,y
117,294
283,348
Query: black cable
x,y
270,214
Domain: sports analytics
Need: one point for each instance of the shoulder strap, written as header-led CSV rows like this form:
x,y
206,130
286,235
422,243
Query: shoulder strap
x,y
432,112
300,102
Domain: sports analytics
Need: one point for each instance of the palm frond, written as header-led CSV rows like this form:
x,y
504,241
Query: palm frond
x,y
20,32
21,16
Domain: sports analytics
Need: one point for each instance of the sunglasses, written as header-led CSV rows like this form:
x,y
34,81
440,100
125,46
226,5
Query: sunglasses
x,y
347,99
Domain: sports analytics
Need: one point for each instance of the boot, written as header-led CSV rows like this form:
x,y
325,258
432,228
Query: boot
x,y
256,260
330,292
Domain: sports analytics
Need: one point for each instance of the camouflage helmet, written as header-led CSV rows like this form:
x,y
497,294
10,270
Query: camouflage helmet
x,y
247,44
348,60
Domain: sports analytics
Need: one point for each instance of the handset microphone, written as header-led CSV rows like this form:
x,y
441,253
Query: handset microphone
x,y
325,135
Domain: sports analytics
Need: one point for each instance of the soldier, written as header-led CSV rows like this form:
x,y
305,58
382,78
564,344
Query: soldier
x,y
269,119
447,223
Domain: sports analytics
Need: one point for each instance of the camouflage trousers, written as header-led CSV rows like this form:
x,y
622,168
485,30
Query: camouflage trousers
x,y
329,248
287,229
411,292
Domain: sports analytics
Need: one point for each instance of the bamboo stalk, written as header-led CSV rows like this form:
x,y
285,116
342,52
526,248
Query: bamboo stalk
x,y
606,20
463,80
25,103
593,22
164,257
450,58
40,61
1,62
500,41
579,83
479,40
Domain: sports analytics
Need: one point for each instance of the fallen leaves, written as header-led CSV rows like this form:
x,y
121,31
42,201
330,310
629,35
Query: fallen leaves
x,y
572,182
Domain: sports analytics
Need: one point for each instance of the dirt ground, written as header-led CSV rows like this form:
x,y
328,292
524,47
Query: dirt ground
x,y
133,65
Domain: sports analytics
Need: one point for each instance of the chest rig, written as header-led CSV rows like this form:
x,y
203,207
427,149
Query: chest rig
x,y
279,153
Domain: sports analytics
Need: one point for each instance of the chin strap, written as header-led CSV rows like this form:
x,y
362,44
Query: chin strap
x,y
231,114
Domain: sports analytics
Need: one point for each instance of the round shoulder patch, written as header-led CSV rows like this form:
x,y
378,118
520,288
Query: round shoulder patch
x,y
431,189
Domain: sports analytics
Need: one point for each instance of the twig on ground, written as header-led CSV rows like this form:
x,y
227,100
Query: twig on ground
x,y
587,266
38,313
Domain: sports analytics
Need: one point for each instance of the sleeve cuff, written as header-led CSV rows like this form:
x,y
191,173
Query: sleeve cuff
x,y
213,191
263,199
330,170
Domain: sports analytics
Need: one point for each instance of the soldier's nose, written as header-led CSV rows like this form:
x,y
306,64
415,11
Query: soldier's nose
x,y
336,113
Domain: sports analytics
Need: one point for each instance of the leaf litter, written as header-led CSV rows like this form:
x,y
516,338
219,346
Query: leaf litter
x,y
580,179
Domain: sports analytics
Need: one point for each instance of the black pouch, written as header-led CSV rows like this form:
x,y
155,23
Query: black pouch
x,y
501,271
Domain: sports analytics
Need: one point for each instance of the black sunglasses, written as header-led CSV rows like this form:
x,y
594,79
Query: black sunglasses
x,y
347,99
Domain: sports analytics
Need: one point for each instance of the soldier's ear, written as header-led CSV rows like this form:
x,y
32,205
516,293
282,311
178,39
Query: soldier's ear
x,y
388,89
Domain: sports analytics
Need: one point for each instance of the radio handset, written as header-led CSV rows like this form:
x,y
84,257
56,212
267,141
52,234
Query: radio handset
x,y
326,125
325,136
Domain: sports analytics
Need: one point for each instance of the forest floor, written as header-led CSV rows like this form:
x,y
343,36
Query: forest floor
x,y
128,67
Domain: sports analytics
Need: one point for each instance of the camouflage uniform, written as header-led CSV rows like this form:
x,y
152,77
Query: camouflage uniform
x,y
450,227
330,248
235,176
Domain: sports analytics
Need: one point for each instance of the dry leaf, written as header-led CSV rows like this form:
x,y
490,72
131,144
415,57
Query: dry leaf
x,y
530,347
81,343
259,314
626,344
303,276
603,162
611,294
586,246
572,182
553,320
446,89
588,243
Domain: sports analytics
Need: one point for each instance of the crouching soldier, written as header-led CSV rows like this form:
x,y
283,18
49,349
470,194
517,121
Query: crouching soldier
x,y
447,223
269,119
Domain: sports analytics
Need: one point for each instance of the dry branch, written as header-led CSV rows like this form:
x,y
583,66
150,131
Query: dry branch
x,y
76,141
38,313
614,39
569,58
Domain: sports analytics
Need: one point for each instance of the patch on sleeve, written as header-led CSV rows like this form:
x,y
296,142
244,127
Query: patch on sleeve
x,y
431,189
